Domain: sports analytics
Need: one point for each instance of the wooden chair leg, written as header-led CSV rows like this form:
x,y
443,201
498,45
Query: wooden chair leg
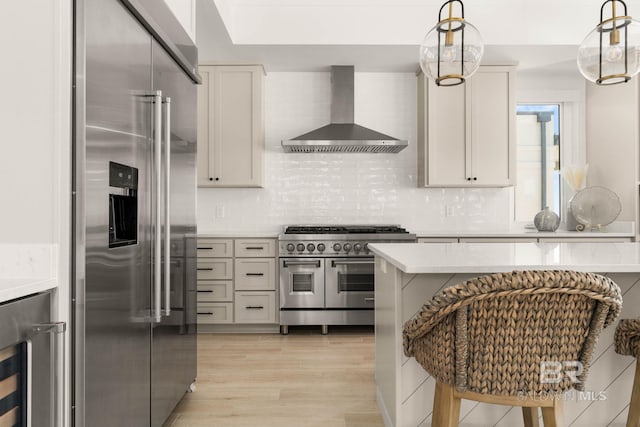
x,y
530,415
446,407
553,416
633,419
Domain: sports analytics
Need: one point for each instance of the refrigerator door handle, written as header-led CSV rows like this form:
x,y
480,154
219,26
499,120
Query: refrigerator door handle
x,y
157,253
167,208
57,330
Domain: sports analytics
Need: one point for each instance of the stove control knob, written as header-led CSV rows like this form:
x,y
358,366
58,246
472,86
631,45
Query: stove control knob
x,y
366,247
311,247
290,247
347,247
337,247
300,247
321,247
357,247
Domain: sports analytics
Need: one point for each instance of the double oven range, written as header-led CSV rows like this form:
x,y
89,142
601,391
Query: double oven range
x,y
327,273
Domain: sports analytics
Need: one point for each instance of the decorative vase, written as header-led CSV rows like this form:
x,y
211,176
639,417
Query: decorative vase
x,y
546,220
572,222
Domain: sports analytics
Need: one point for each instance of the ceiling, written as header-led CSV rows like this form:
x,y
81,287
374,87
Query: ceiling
x,y
383,35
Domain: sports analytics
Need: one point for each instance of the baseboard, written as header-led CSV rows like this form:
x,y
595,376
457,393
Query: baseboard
x,y
238,329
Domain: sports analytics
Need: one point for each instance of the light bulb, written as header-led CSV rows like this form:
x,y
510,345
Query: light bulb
x,y
448,53
614,53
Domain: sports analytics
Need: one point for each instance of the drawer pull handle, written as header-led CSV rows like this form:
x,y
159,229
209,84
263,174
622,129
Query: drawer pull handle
x,y
203,248
205,292
255,248
205,269
255,274
369,299
254,307
205,313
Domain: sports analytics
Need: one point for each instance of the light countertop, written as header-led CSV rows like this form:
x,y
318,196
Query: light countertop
x,y
18,288
502,257
238,234
518,230
26,269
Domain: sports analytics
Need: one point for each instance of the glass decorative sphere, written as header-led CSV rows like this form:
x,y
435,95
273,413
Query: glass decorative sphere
x,y
613,55
455,60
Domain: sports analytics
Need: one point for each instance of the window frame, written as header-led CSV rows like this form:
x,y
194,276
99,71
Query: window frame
x,y
573,147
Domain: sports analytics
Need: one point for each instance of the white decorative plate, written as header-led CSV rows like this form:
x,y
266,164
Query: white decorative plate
x,y
595,207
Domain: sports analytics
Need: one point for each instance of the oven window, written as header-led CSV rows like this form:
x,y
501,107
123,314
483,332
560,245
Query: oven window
x,y
302,282
353,282
13,392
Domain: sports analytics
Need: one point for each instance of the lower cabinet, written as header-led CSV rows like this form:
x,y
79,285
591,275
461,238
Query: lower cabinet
x,y
215,312
237,285
255,307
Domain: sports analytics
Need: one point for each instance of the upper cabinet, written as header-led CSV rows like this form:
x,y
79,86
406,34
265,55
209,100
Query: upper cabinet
x,y
466,133
231,126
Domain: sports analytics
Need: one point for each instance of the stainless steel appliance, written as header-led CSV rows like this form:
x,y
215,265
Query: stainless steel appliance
x,y
343,135
31,364
327,273
134,347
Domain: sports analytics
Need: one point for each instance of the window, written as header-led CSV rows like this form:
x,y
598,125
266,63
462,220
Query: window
x,y
538,166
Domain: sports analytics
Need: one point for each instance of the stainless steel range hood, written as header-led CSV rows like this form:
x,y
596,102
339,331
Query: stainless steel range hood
x,y
342,134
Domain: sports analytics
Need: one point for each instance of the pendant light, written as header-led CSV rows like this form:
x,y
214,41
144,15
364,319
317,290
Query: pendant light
x,y
451,51
609,53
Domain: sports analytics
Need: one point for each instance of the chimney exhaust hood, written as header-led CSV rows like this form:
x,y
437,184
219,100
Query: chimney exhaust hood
x,y
342,134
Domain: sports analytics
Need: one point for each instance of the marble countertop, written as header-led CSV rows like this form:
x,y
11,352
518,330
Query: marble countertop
x,y
238,234
26,269
616,229
502,257
18,288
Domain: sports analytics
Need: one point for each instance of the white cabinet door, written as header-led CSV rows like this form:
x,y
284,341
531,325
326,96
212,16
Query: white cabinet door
x,y
231,126
492,101
444,121
466,133
255,307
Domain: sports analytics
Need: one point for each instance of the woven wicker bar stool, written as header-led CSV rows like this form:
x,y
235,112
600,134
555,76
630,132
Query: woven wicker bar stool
x,y
627,340
514,339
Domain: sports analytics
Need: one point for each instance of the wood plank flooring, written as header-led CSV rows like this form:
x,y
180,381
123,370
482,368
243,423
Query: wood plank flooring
x,y
304,379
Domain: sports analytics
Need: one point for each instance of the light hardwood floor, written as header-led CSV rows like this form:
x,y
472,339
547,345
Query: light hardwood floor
x,y
304,379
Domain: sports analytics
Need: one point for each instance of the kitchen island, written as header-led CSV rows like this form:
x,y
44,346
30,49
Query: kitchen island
x,y
407,275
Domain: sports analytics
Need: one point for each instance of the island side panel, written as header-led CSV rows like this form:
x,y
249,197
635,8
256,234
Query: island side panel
x,y
388,340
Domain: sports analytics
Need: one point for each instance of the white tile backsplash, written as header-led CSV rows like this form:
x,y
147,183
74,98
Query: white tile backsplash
x,y
337,188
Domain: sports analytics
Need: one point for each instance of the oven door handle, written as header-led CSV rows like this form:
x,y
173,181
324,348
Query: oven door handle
x,y
351,262
56,329
287,263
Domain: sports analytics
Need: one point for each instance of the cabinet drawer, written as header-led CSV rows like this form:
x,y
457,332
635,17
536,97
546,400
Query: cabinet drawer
x,y
215,269
211,312
215,248
255,307
255,247
214,291
256,274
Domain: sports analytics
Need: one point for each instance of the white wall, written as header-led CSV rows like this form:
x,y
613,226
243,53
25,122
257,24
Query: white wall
x,y
612,141
185,12
346,187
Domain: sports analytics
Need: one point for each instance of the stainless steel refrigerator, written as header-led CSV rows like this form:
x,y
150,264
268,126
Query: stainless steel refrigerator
x,y
134,272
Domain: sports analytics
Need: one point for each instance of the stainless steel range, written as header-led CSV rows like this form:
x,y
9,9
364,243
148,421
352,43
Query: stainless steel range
x,y
327,273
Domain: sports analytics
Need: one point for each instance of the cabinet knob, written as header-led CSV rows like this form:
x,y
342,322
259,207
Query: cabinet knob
x,y
217,179
210,179
469,179
475,178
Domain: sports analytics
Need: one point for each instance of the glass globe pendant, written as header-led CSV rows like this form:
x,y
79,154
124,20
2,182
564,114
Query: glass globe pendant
x,y
609,53
451,51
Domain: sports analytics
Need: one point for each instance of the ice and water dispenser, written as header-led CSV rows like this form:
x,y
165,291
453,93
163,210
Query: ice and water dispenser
x,y
123,205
